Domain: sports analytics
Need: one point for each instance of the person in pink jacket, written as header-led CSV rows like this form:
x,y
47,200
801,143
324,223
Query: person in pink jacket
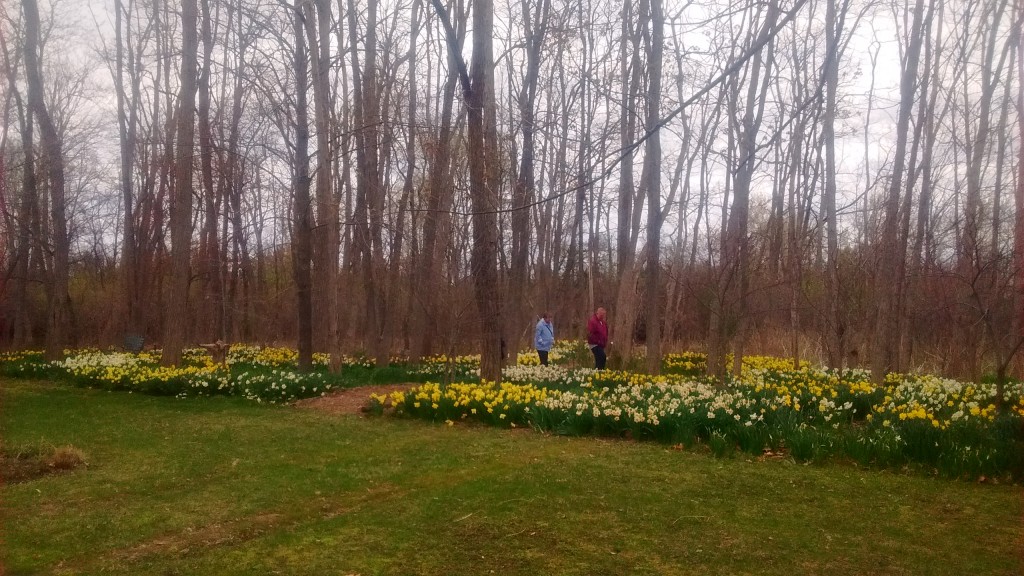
x,y
597,337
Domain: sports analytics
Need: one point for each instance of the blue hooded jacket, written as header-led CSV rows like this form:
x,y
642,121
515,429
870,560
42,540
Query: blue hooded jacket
x,y
544,335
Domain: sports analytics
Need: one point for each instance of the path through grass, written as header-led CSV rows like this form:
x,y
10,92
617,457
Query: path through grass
x,y
225,486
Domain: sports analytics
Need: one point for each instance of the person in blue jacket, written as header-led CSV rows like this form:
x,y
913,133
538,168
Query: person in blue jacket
x,y
544,337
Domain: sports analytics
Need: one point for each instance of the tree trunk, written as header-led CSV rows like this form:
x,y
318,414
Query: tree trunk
x,y
325,243
523,193
212,307
176,321
624,315
652,170
886,340
483,177
1018,229
835,339
302,217
439,194
729,310
21,332
57,297
478,92
127,119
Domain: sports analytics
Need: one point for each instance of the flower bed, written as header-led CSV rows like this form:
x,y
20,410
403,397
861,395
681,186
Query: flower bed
x,y
811,414
960,429
254,379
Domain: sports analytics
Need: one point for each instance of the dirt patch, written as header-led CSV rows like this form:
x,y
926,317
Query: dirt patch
x,y
26,463
349,400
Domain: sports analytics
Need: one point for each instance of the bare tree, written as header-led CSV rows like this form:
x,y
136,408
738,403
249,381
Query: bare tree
x,y
652,181
127,118
523,193
325,243
176,323
729,313
57,287
630,204
889,274
439,192
20,265
302,213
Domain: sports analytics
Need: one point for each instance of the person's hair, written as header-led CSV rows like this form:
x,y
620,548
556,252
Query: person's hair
x,y
545,315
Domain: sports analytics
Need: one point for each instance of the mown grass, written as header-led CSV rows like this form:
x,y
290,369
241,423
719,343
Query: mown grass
x,y
225,486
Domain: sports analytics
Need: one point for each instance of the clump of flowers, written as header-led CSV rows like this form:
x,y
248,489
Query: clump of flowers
x,y
451,367
506,404
23,364
197,376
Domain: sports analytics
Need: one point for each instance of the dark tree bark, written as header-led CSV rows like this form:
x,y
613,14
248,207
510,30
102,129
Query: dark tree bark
x,y
630,204
57,297
728,320
523,192
302,217
478,91
325,243
22,308
884,353
127,119
483,177
176,319
213,322
439,191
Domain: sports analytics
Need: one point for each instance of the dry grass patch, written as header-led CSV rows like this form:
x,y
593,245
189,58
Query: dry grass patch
x,y
27,463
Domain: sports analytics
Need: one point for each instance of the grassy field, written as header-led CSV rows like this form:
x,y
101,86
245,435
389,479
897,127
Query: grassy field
x,y
226,486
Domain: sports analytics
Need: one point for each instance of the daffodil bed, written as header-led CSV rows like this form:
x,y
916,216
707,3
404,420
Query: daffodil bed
x,y
812,414
260,374
957,428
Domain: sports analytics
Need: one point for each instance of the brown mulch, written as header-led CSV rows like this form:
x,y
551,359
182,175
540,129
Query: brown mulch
x,y
349,400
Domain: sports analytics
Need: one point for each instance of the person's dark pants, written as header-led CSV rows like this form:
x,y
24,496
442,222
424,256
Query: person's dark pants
x,y
599,357
543,357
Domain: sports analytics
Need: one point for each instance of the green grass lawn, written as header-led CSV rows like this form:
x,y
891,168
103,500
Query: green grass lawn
x,y
225,486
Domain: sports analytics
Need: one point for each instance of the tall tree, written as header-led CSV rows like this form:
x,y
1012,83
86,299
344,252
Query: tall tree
x,y
652,182
19,268
884,353
1018,229
127,118
729,312
478,91
835,341
57,297
630,202
523,193
176,312
325,243
483,182
302,210
212,302
439,190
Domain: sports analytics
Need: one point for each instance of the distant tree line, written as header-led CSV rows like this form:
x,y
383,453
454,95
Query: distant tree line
x,y
835,179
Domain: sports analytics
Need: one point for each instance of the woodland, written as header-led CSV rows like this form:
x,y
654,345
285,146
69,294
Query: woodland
x,y
840,180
